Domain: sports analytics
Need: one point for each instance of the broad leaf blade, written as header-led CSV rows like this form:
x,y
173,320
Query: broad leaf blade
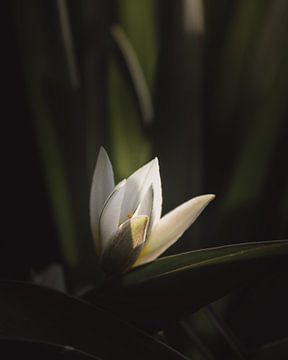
x,y
31,312
207,257
15,349
166,290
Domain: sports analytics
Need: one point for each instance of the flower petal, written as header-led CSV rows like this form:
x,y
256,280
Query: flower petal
x,y
146,207
157,194
101,188
110,215
137,186
171,227
125,245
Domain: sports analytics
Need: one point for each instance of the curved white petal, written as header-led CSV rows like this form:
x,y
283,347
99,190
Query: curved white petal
x,y
136,188
146,207
157,194
110,215
101,188
171,227
146,204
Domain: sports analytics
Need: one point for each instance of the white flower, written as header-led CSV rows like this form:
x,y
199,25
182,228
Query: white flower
x,y
126,219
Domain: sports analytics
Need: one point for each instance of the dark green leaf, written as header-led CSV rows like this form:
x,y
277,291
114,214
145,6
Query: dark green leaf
x,y
156,294
15,349
31,312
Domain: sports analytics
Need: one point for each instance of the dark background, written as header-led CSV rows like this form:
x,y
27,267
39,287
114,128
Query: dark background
x,y
218,125
28,234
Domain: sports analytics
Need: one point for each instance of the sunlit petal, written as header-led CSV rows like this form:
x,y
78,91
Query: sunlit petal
x,y
137,186
109,218
171,227
157,194
101,188
146,206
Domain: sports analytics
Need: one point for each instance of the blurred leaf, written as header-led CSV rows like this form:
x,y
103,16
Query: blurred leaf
x,y
54,74
249,114
129,144
55,107
139,21
135,72
178,130
91,21
164,291
268,81
242,36
138,49
248,180
31,312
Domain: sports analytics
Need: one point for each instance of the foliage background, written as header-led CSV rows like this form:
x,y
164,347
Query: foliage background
x,y
201,84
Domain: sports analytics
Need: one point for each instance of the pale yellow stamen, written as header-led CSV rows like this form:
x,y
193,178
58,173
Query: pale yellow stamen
x,y
129,215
